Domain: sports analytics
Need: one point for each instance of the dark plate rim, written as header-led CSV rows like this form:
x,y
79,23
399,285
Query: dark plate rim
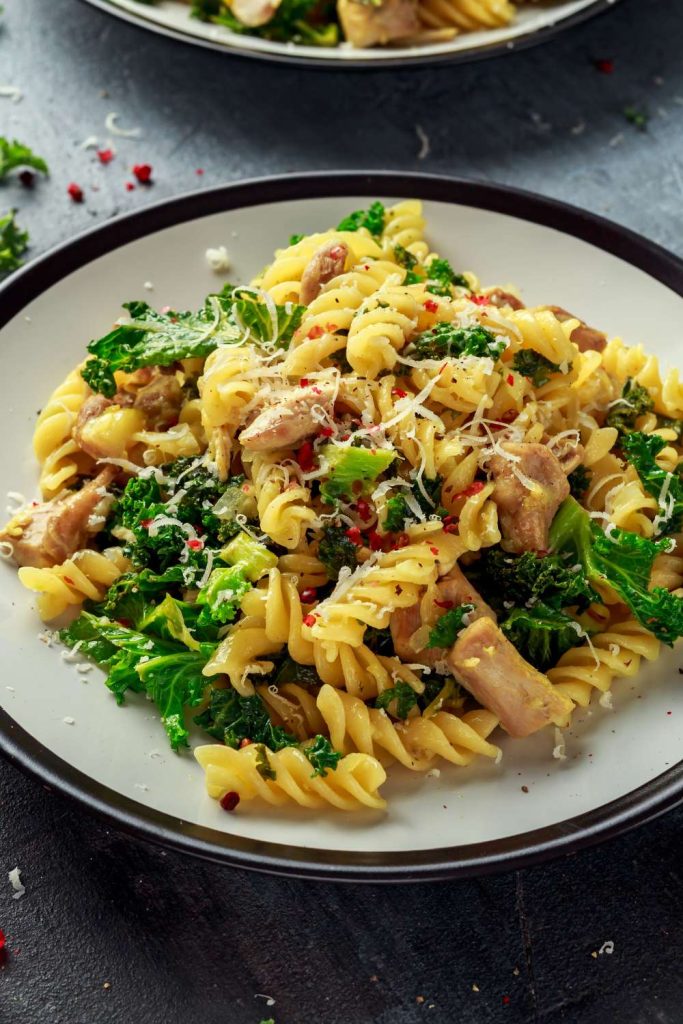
x,y
635,808
482,52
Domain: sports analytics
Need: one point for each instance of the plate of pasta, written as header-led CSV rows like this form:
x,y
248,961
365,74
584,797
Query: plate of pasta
x,y
337,551
355,32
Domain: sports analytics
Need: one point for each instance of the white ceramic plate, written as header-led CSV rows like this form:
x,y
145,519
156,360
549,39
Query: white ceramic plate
x,y
535,22
621,764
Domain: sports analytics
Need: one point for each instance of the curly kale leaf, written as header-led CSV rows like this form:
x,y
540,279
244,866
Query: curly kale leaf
x,y
534,366
15,154
447,627
397,511
232,719
398,701
635,401
441,277
529,577
322,756
579,481
13,243
447,339
542,634
149,338
336,550
624,562
641,450
372,219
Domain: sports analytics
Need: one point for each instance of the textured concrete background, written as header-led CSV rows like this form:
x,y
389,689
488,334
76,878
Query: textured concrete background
x,y
115,931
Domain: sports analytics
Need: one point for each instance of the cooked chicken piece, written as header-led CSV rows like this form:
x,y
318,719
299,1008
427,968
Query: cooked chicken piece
x,y
327,263
498,297
160,401
526,513
290,421
254,13
369,24
52,531
586,339
451,591
499,678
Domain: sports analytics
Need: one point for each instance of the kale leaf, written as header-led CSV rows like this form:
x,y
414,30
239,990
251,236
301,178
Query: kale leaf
x,y
446,339
579,481
13,243
624,562
16,154
372,219
641,451
525,578
231,719
397,512
447,627
635,401
336,550
441,277
398,701
542,634
322,756
533,365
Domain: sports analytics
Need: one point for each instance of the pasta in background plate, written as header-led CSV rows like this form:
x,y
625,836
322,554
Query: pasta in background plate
x,y
364,510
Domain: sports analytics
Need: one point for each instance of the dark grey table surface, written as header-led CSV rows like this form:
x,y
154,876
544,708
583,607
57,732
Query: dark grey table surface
x,y
113,930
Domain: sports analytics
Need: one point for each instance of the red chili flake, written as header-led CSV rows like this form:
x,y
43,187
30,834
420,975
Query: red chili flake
x,y
431,306
326,431
469,491
595,615
354,535
67,579
399,393
434,551
364,510
366,266
444,604
669,712
76,192
34,504
480,300
246,742
451,528
402,541
316,391
303,382
146,523
130,187
305,456
105,156
316,331
447,520
27,178
195,545
331,328
309,620
375,540
199,171
309,594
506,1000
229,801
143,172
3,944
337,251
344,437
126,623
510,379
605,65
510,416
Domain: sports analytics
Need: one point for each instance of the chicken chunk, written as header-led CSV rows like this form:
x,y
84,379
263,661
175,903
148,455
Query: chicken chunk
x,y
289,421
497,676
498,297
327,263
52,531
525,512
586,339
160,401
369,24
451,591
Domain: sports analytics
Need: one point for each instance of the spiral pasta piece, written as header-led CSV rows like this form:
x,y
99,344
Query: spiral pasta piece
x,y
59,455
87,574
353,784
466,15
